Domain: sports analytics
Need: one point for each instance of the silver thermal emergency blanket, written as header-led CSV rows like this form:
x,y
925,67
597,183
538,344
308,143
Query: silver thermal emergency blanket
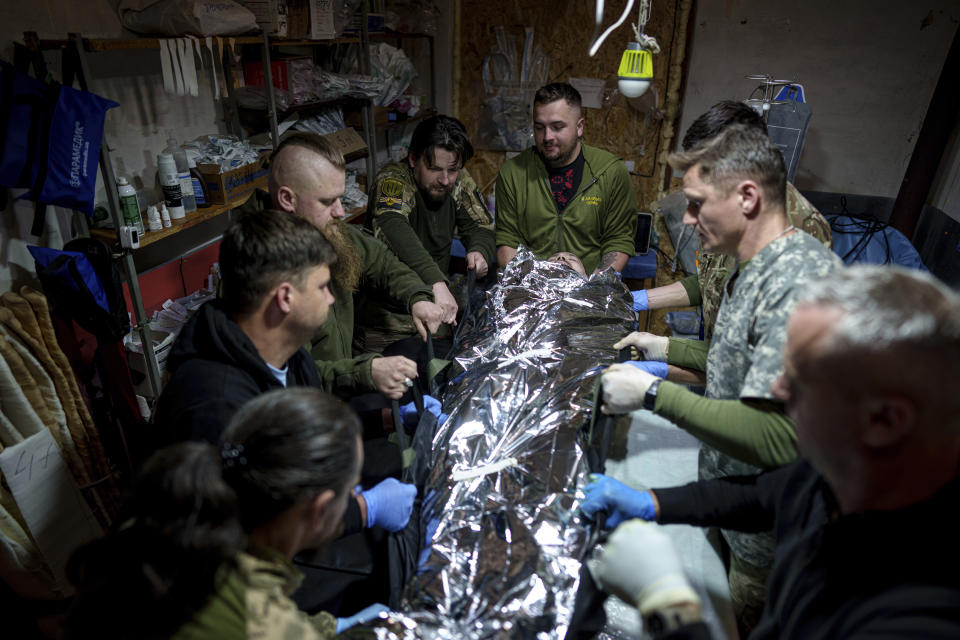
x,y
503,474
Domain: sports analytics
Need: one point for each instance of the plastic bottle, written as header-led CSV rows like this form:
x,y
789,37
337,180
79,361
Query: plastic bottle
x,y
183,174
165,214
172,193
128,205
199,188
153,219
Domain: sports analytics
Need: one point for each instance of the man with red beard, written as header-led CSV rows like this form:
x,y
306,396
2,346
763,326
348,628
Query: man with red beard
x,y
307,179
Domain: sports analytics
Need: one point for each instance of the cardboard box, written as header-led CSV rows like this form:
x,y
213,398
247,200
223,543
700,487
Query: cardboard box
x,y
381,117
348,141
271,15
321,20
298,19
236,183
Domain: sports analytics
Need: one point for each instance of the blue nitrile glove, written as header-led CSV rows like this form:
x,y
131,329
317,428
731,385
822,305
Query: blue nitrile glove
x,y
641,302
424,556
427,508
617,499
410,418
364,615
653,367
389,504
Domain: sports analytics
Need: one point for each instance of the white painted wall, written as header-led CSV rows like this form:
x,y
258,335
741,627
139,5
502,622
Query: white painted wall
x,y
869,68
136,131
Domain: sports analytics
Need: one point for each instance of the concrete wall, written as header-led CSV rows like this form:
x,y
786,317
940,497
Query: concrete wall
x,y
869,68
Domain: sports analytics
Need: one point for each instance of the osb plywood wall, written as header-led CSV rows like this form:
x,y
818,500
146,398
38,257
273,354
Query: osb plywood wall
x,y
564,29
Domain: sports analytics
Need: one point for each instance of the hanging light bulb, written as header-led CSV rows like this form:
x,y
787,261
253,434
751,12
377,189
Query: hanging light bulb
x,y
636,71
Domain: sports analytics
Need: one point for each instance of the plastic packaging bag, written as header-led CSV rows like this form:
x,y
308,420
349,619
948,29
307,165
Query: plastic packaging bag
x,y
509,87
180,17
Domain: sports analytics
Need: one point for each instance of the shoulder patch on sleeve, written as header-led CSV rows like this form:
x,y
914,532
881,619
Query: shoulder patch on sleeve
x,y
391,188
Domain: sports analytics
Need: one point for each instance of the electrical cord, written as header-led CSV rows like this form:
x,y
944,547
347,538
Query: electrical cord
x,y
866,228
183,281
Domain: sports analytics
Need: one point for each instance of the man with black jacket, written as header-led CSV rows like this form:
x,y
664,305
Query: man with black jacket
x,y
864,547
275,271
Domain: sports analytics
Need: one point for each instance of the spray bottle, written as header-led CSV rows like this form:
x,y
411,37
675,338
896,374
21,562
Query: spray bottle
x,y
128,205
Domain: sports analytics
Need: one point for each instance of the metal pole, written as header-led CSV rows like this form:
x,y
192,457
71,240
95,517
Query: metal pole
x,y
126,256
369,124
268,87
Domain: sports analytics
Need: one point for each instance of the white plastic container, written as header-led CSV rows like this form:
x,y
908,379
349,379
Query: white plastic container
x,y
170,182
128,204
153,219
183,174
165,214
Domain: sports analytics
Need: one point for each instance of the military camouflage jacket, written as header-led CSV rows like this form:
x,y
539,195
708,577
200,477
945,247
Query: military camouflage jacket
x,y
420,233
745,353
714,268
253,601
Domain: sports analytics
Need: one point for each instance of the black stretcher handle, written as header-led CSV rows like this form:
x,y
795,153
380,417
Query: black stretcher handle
x,y
471,282
417,398
471,285
398,424
431,383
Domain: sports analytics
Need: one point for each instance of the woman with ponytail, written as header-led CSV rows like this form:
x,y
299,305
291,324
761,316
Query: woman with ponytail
x,y
204,548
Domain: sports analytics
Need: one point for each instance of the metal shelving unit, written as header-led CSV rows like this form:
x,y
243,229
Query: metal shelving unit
x,y
81,47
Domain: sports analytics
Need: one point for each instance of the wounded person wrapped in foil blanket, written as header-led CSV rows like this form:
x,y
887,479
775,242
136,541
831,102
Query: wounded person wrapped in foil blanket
x,y
501,536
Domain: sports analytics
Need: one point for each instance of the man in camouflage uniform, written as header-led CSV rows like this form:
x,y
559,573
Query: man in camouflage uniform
x,y
416,208
736,189
705,288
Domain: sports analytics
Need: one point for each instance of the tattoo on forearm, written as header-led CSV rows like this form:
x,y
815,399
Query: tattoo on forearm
x,y
607,260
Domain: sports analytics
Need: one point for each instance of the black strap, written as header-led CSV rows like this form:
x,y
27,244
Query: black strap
x,y
39,155
471,285
431,383
7,74
398,424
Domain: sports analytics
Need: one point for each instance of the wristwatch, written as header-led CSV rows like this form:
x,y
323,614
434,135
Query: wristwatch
x,y
650,398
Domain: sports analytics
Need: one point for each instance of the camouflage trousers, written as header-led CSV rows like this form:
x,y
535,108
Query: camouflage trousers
x,y
747,592
378,329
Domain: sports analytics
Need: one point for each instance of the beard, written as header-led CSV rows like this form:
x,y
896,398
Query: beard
x,y
436,195
346,271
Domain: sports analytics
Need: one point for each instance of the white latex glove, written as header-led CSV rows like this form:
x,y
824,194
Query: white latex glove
x,y
446,302
653,347
391,373
475,261
624,388
427,317
639,565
